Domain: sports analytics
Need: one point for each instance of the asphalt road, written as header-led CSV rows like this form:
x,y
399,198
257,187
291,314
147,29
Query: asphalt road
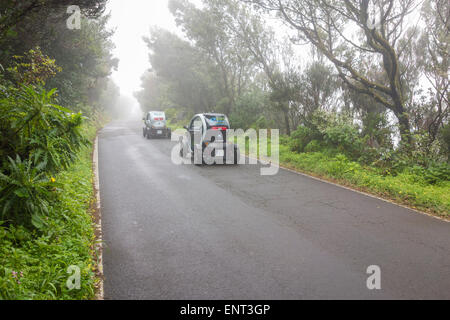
x,y
226,232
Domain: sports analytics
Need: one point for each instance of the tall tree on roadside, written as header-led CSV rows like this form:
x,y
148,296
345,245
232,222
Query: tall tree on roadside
x,y
14,13
192,80
270,55
380,24
208,28
433,52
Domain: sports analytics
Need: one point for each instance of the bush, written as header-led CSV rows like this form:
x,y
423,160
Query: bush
x,y
25,194
37,140
33,68
435,173
301,137
313,146
339,132
344,137
33,265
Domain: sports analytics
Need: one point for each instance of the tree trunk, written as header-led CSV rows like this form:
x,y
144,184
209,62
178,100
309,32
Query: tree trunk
x,y
286,121
404,127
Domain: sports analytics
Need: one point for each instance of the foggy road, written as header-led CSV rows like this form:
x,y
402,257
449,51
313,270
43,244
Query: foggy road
x,y
226,232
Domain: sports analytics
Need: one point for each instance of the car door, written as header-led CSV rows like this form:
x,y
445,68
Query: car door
x,y
195,131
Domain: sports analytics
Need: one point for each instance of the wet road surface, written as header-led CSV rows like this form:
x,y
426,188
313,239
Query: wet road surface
x,y
226,232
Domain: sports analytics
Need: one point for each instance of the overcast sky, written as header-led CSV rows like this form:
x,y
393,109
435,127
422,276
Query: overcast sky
x,y
132,20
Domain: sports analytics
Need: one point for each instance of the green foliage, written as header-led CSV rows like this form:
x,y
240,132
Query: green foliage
x,y
328,130
313,146
45,166
36,129
25,193
248,111
344,137
85,55
38,139
33,68
444,137
435,173
339,132
33,265
301,137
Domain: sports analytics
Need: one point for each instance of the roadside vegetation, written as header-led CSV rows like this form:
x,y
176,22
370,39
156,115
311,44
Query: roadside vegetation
x,y
363,104
53,98
34,260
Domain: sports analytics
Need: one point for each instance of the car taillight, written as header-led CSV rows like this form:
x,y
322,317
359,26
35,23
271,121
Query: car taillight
x,y
219,128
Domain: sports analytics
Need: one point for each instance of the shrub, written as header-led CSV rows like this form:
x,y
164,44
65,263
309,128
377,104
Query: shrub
x,y
301,137
313,146
33,68
345,137
437,172
25,194
37,139
33,265
38,130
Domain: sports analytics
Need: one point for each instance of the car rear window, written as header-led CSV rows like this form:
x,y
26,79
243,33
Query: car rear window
x,y
158,115
217,120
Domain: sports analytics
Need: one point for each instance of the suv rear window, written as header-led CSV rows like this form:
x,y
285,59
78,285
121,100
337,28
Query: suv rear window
x,y
217,120
157,114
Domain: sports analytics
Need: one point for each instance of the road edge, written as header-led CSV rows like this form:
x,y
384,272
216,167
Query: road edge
x,y
98,223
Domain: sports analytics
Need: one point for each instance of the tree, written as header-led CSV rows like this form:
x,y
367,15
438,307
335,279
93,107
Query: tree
x,y
209,29
380,24
433,52
86,58
271,56
315,89
154,93
182,71
17,14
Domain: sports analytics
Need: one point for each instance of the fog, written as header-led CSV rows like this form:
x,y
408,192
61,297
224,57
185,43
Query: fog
x,y
131,21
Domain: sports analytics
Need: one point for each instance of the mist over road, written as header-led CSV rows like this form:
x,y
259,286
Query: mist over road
x,y
226,232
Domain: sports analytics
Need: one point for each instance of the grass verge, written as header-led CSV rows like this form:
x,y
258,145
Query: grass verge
x,y
35,265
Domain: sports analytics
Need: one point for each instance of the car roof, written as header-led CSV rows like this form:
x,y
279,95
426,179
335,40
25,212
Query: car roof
x,y
213,114
210,114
